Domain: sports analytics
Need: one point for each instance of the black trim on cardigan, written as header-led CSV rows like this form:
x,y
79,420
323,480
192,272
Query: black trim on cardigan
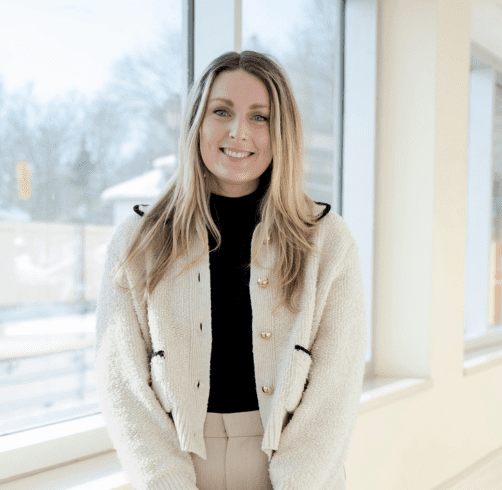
x,y
299,347
138,211
327,209
324,213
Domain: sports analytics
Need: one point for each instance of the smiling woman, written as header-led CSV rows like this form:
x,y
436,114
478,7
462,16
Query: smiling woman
x,y
235,144
210,258
258,114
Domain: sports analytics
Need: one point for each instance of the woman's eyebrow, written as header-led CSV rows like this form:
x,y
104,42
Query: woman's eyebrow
x,y
231,104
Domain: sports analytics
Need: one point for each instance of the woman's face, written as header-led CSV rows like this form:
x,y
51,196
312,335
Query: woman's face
x,y
239,126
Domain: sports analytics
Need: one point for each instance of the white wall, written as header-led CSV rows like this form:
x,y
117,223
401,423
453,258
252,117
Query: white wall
x,y
423,440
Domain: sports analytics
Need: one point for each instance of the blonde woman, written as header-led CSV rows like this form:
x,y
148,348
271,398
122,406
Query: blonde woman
x,y
206,380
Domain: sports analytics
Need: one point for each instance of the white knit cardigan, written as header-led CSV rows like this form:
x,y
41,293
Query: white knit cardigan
x,y
309,370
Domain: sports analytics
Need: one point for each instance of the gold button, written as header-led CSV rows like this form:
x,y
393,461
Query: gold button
x,y
263,281
268,390
266,335
267,239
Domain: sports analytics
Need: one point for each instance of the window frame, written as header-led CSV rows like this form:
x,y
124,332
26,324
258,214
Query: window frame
x,y
491,340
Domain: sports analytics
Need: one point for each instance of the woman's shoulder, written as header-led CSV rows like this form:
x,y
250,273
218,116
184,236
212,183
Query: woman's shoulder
x,y
337,237
125,230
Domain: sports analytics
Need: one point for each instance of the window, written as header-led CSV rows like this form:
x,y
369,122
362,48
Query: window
x,y
316,80
309,42
483,323
89,100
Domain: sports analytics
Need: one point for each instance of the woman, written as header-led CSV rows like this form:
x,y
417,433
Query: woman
x,y
205,381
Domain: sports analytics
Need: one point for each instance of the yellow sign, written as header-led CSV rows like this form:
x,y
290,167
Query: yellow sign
x,y
23,180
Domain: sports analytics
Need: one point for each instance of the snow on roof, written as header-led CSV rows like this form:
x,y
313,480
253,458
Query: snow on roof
x,y
148,185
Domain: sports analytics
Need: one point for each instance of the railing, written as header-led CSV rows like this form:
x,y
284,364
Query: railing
x,y
45,379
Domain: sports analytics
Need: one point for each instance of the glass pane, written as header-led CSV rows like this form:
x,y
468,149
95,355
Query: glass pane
x,y
496,241
305,43
89,100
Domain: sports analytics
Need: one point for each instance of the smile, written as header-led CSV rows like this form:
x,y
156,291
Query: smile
x,y
236,158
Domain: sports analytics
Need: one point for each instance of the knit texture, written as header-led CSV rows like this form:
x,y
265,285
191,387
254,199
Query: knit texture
x,y
157,365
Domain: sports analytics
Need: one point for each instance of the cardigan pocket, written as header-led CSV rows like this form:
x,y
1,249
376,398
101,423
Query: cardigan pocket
x,y
157,367
300,367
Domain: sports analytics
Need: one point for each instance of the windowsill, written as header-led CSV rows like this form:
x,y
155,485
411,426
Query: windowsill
x,y
90,458
481,359
379,391
102,472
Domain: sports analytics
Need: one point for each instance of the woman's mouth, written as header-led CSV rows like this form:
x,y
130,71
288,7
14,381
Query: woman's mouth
x,y
236,159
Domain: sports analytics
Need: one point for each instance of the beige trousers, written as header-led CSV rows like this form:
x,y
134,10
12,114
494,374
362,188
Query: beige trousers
x,y
235,460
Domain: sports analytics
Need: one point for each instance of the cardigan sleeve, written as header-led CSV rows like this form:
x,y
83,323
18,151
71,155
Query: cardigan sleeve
x,y
314,444
143,434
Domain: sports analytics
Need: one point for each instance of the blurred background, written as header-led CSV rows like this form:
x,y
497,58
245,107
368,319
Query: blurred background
x,y
91,98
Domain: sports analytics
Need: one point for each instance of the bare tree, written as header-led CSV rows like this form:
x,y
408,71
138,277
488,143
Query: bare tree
x,y
105,129
144,89
146,82
46,137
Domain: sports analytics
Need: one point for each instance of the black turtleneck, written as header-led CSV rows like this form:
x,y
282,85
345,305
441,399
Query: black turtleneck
x,y
232,377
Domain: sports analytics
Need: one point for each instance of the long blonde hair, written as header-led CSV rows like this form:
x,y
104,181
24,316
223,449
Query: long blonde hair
x,y
184,204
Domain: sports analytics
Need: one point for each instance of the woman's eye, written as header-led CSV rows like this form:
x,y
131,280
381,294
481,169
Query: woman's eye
x,y
223,110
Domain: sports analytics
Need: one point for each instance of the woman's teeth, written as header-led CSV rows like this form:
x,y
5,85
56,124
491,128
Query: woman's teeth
x,y
238,155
